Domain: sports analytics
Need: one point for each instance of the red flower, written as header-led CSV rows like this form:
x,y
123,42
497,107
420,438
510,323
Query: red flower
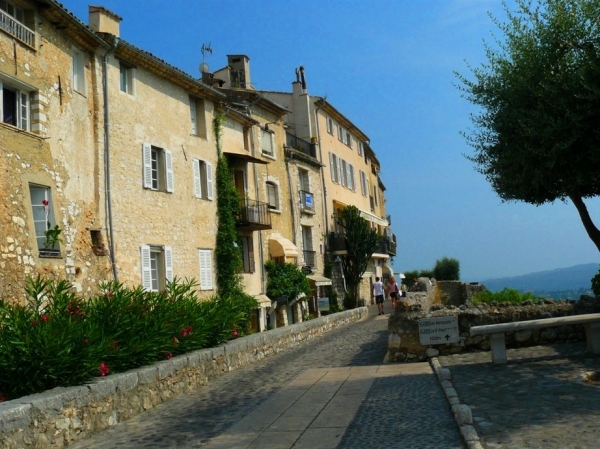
x,y
44,318
45,202
235,333
85,341
175,341
169,355
2,398
34,322
104,369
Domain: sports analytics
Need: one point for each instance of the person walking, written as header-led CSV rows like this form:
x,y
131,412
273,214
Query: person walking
x,y
393,290
378,291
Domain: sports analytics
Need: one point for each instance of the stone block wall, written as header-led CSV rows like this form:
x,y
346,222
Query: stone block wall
x,y
403,340
58,417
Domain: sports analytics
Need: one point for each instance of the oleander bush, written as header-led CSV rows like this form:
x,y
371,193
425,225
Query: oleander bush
x,y
509,295
60,339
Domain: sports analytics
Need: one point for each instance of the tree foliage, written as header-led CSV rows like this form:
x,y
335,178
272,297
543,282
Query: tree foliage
x,y
361,242
536,136
285,280
447,269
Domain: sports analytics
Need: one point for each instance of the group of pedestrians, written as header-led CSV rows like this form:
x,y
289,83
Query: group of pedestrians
x,y
392,289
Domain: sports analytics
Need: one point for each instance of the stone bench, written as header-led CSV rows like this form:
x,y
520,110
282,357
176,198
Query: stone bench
x,y
590,321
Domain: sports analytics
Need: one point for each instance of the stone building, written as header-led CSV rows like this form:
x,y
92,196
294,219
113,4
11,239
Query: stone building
x,y
51,149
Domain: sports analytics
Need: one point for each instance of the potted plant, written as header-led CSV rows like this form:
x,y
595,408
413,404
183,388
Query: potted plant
x,y
52,238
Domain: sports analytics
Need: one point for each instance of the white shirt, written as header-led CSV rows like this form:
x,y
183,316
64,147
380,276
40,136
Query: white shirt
x,y
378,286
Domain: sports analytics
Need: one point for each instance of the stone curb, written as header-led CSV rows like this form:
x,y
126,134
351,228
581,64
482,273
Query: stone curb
x,y
58,417
462,412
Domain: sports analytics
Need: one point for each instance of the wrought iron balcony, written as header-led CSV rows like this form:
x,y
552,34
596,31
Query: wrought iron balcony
x,y
392,245
336,242
254,215
16,29
310,258
310,149
307,202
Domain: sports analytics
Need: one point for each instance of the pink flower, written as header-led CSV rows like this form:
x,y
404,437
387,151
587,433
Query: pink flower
x,y
44,318
235,333
104,369
169,355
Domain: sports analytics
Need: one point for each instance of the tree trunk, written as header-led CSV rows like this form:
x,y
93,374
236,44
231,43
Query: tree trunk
x,y
588,224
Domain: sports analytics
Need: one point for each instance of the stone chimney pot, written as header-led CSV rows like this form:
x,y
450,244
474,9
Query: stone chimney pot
x,y
103,21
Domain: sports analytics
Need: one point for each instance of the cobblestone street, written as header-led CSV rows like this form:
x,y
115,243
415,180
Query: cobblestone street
x,y
395,411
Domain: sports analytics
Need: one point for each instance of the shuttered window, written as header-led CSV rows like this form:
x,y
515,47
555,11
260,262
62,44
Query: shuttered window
x,y
206,274
248,254
203,179
157,168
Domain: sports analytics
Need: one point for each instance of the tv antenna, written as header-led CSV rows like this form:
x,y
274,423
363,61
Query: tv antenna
x,y
206,48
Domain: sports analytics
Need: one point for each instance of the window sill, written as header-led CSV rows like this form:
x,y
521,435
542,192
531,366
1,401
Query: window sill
x,y
126,94
308,211
199,137
49,254
275,211
269,156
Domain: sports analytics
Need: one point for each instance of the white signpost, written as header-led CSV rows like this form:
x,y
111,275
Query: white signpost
x,y
439,330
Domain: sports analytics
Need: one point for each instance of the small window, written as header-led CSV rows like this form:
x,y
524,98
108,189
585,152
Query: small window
x,y
206,274
344,177
304,179
15,106
158,168
345,135
330,126
78,71
248,254
375,195
203,179
272,196
127,78
335,167
350,140
266,142
43,217
340,133
157,267
364,188
360,149
198,117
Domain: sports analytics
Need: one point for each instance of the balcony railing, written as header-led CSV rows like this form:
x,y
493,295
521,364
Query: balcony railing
x,y
301,145
16,29
254,214
336,242
310,258
307,201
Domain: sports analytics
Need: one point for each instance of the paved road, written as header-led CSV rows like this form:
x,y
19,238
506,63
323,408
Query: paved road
x,y
330,392
536,400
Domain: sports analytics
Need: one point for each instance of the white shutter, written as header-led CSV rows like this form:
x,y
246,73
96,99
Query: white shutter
x,y
363,183
169,263
331,166
146,273
197,180
205,269
352,180
24,110
340,171
209,181
169,170
272,139
348,176
350,141
193,116
147,158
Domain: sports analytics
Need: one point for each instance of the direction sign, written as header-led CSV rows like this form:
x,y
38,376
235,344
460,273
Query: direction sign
x,y
439,330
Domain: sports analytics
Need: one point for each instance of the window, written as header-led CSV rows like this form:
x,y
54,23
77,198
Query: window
x,y
340,133
351,179
309,254
203,179
364,187
248,254
344,177
333,165
158,168
272,195
43,212
206,275
126,78
198,117
157,267
345,135
304,180
16,20
350,140
78,71
330,126
266,142
307,202
375,194
360,149
15,106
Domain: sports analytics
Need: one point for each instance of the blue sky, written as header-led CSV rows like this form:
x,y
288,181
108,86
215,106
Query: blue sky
x,y
388,66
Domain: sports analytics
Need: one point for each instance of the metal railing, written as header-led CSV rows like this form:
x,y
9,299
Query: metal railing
x,y
307,201
310,258
254,213
301,145
336,242
16,29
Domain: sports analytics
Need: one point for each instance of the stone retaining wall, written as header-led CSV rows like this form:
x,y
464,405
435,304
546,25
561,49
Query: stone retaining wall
x,y
403,340
60,416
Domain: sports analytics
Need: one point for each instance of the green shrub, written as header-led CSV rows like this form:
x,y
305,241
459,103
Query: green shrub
x,y
596,284
285,280
446,269
509,295
57,339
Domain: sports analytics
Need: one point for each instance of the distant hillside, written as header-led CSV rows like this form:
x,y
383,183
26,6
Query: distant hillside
x,y
562,283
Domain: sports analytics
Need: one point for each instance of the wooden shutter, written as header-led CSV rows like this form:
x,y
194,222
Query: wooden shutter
x,y
250,254
146,273
169,170
24,110
147,160
352,180
209,180
169,263
331,166
205,258
193,116
197,179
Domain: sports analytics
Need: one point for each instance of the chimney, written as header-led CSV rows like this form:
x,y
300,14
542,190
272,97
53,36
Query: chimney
x,y
103,21
239,71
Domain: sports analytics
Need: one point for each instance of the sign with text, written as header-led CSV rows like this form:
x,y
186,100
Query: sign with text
x,y
324,304
439,330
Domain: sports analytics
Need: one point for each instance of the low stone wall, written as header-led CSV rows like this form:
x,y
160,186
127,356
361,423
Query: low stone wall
x,y
60,416
403,340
